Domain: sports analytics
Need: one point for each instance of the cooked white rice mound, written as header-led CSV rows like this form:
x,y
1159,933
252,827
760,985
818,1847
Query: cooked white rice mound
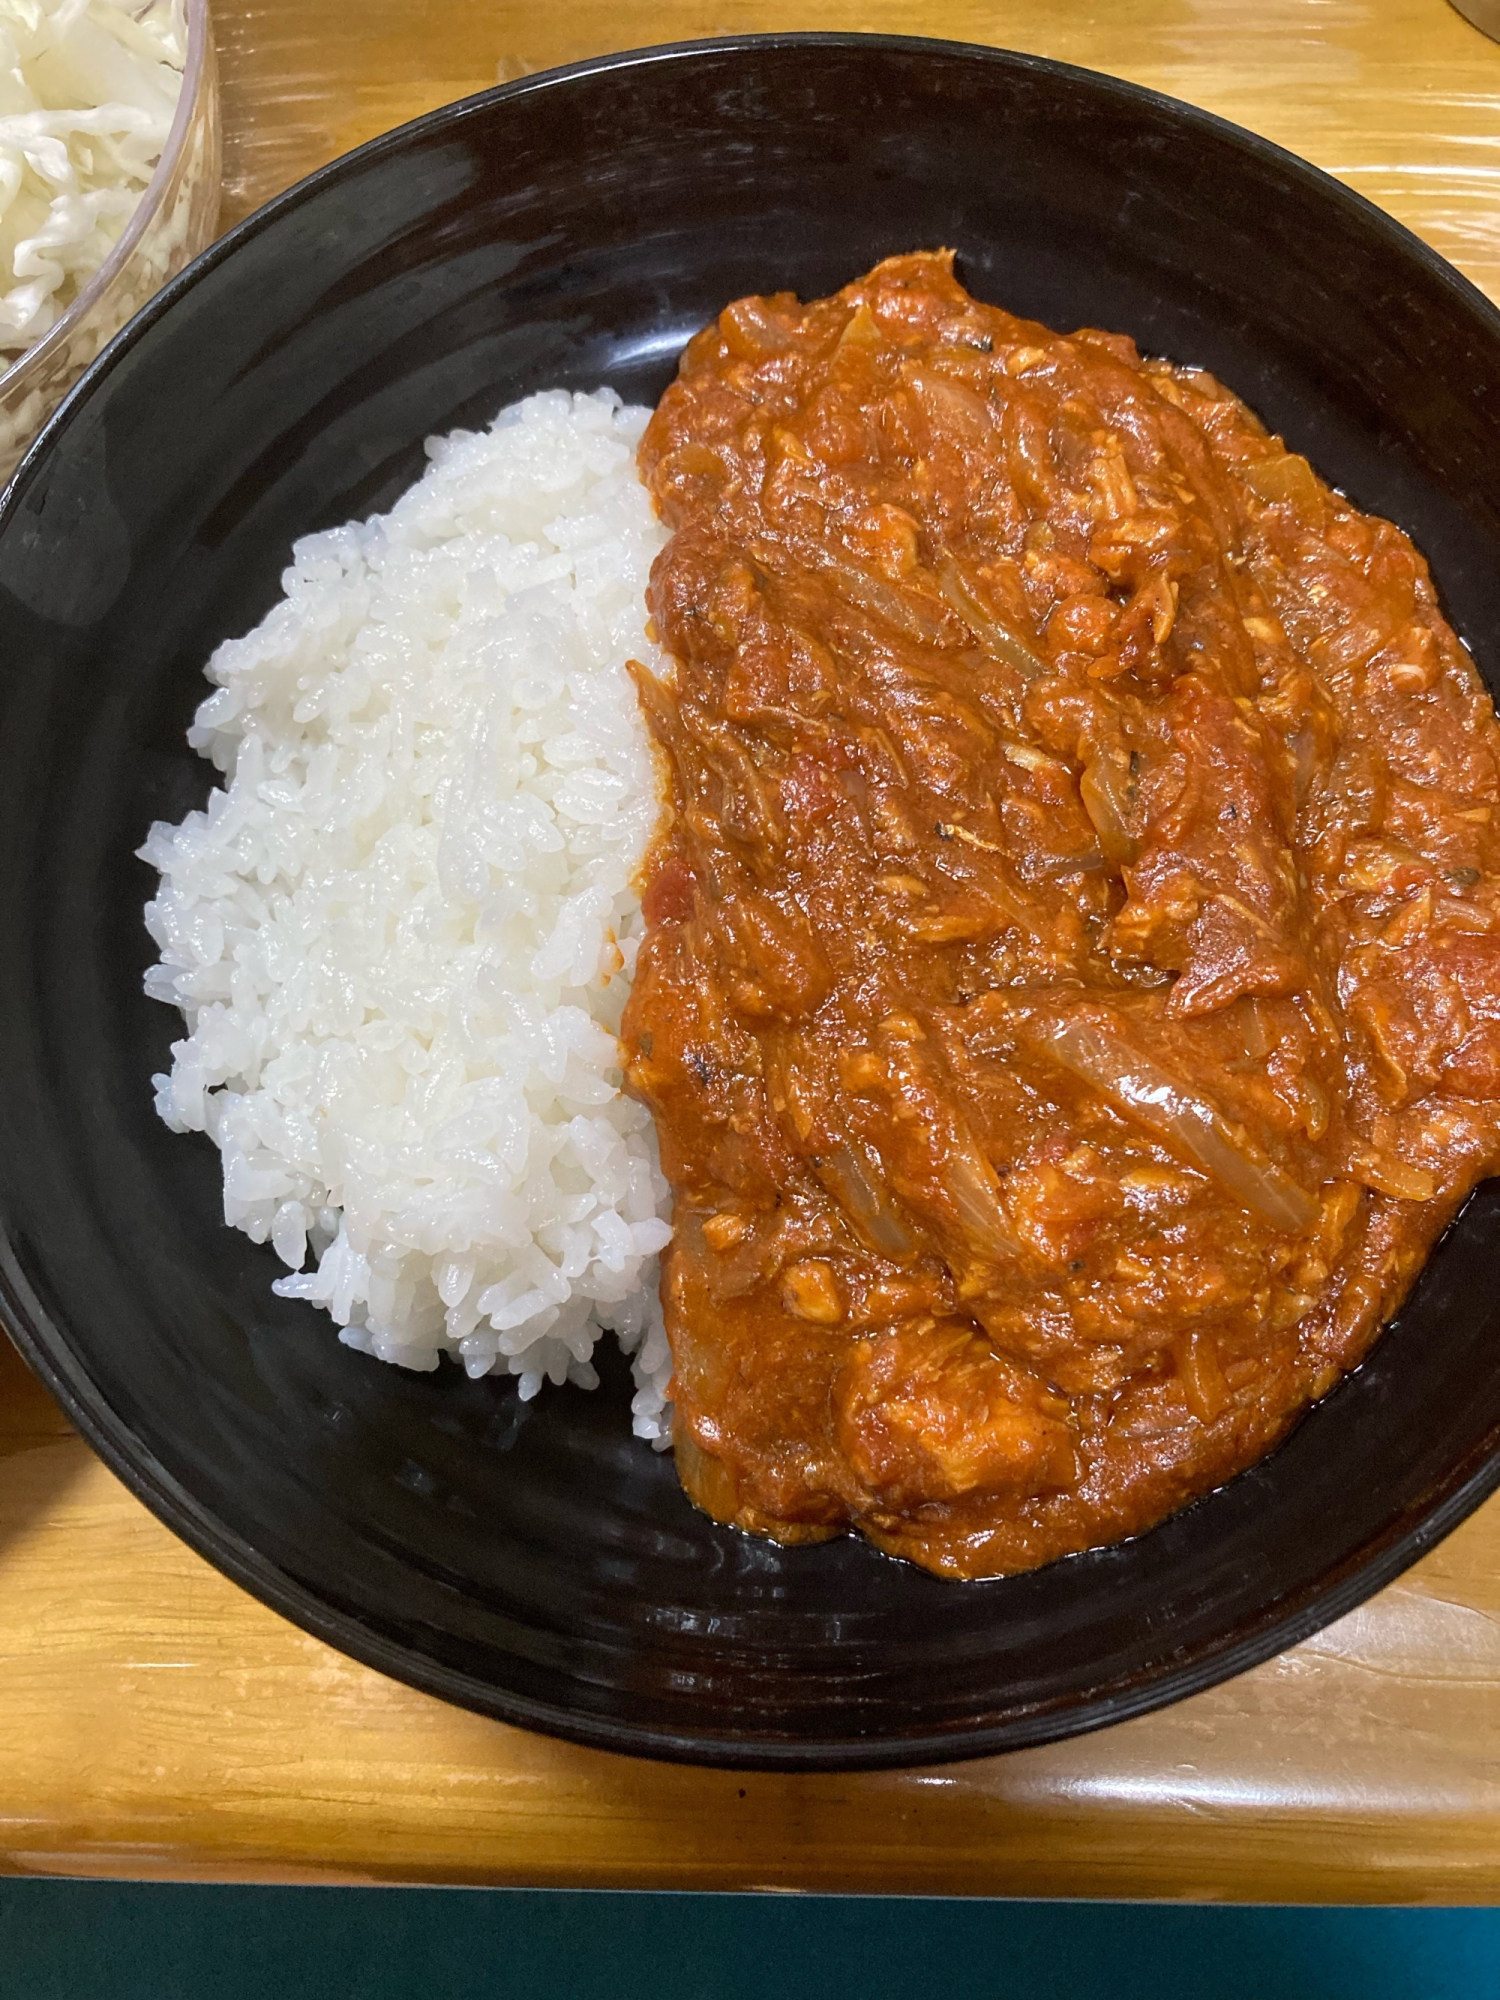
x,y
403,931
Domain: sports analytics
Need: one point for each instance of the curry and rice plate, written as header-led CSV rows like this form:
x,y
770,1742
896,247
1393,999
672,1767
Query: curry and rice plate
x,y
1060,929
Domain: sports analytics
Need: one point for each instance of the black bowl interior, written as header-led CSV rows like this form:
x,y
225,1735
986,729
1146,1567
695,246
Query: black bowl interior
x,y
535,1561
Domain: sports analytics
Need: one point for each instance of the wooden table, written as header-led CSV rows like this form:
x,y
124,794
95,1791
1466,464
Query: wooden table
x,y
155,1721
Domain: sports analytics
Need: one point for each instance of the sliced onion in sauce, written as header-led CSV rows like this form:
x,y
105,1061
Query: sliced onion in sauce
x,y
1303,744
957,1165
1106,791
869,1208
948,405
975,1193
1257,1036
895,606
1284,478
750,329
727,1276
995,636
1157,1100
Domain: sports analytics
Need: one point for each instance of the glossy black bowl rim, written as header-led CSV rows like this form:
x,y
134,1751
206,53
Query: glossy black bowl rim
x,y
1283,1622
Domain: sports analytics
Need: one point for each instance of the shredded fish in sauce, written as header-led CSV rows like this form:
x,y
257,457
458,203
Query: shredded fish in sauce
x,y
1071,999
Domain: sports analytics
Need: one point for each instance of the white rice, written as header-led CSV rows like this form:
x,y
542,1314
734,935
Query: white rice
x,y
402,933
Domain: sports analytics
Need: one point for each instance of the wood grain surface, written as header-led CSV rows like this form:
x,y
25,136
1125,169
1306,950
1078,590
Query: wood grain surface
x,y
156,1721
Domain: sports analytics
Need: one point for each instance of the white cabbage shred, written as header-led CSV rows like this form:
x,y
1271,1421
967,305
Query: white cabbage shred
x,y
88,91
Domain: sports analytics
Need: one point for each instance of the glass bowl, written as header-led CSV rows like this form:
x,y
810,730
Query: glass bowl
x,y
175,217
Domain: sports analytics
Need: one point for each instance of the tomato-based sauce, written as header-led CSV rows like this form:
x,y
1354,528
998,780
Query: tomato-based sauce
x,y
1070,1005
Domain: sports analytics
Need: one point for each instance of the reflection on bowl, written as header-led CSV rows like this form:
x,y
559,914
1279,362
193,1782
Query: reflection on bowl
x,y
173,220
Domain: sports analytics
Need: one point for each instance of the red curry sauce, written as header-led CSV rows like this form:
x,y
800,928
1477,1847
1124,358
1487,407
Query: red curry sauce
x,y
1071,998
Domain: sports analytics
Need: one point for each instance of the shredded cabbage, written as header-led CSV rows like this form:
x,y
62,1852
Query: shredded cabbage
x,y
88,91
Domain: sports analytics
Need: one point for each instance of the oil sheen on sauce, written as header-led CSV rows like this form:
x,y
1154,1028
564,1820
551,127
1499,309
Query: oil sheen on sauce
x,y
1070,1004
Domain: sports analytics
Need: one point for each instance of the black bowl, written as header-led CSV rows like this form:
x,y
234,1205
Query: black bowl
x,y
535,1561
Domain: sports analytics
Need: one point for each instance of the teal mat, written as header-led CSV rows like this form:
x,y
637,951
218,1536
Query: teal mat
x,y
128,1941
